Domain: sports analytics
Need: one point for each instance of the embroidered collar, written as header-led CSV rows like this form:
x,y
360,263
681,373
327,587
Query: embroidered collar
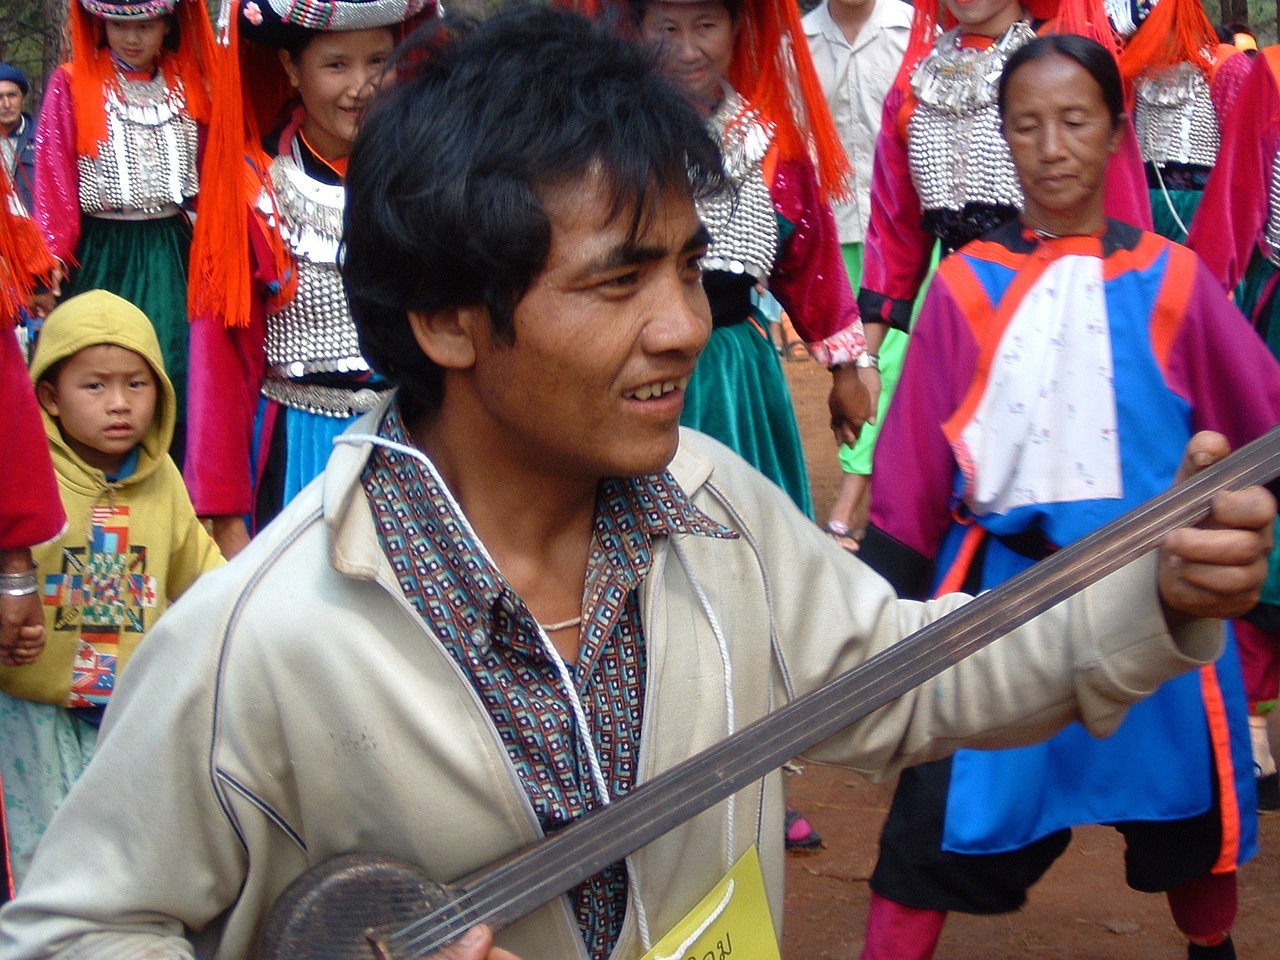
x,y
631,512
1015,236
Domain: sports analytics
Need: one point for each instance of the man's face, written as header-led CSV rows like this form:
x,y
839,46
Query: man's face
x,y
605,341
10,105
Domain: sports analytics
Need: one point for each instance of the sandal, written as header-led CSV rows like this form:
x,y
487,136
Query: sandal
x,y
841,534
800,834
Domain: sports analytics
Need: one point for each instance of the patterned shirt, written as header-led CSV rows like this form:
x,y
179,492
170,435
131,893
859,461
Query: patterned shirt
x,y
472,610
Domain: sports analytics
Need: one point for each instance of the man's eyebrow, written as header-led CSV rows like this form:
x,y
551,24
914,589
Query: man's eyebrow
x,y
699,238
631,254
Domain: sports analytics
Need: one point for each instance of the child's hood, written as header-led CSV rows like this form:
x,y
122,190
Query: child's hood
x,y
93,318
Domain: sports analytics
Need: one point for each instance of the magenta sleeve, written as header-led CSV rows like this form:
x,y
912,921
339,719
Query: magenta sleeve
x,y
30,506
224,381
914,469
1125,197
809,277
57,209
1228,79
1220,365
1229,221
898,248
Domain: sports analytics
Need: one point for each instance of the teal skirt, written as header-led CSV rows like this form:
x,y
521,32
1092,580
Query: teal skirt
x,y
1172,213
144,261
46,748
738,394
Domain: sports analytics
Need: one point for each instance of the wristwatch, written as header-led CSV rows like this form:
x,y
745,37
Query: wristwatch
x,y
867,359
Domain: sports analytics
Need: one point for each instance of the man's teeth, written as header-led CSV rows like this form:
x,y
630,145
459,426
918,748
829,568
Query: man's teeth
x,y
663,387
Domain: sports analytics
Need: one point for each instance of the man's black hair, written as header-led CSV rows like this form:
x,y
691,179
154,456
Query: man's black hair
x,y
1096,60
444,182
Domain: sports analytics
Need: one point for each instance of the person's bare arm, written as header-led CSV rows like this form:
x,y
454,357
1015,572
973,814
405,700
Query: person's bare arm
x,y
21,616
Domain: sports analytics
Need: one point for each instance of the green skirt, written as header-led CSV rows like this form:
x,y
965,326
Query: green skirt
x,y
893,353
144,261
1172,215
738,394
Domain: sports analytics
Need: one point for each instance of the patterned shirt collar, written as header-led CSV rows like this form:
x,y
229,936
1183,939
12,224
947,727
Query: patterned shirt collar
x,y
465,601
630,513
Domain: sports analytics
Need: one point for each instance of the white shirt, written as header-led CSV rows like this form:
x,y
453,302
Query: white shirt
x,y
856,78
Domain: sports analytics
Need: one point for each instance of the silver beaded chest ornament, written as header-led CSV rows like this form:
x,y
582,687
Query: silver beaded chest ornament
x,y
1174,118
1271,232
741,220
148,162
313,332
955,149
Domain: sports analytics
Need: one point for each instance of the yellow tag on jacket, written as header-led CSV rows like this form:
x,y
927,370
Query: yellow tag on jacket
x,y
732,922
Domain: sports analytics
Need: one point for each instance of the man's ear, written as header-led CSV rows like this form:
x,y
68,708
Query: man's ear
x,y
449,337
47,394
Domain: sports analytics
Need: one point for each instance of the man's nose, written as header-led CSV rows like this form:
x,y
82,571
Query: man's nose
x,y
686,318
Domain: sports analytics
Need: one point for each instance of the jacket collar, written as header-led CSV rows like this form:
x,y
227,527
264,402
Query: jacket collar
x,y
354,548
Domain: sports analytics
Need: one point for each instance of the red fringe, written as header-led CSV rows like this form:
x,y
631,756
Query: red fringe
x,y
220,281
24,258
772,69
1176,31
1088,18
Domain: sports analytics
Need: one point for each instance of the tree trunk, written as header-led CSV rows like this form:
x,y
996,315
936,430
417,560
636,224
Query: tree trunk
x,y
54,47
1236,11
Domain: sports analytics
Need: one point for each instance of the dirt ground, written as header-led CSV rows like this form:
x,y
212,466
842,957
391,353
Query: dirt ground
x,y
1081,910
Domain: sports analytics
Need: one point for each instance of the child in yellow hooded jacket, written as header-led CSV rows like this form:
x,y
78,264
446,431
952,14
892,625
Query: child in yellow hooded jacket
x,y
132,544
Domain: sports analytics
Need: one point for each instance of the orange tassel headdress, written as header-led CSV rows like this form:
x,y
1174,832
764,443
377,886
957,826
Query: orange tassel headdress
x,y
772,70
250,91
92,70
1086,18
1176,31
24,259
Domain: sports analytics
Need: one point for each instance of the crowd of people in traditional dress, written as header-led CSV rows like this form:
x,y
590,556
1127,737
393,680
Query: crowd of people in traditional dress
x,y
1035,242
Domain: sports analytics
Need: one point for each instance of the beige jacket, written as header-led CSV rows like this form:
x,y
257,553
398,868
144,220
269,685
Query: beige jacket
x,y
307,713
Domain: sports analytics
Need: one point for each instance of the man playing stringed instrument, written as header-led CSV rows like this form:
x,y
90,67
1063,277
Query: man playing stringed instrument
x,y
519,590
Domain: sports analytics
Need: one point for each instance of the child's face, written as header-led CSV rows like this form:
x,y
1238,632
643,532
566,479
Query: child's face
x,y
104,399
137,42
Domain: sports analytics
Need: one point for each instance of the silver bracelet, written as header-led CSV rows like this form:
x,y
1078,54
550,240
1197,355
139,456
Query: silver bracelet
x,y
22,584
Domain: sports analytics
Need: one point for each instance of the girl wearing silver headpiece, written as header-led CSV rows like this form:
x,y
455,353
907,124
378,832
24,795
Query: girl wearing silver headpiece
x,y
277,372
942,171
773,229
117,161
1185,83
